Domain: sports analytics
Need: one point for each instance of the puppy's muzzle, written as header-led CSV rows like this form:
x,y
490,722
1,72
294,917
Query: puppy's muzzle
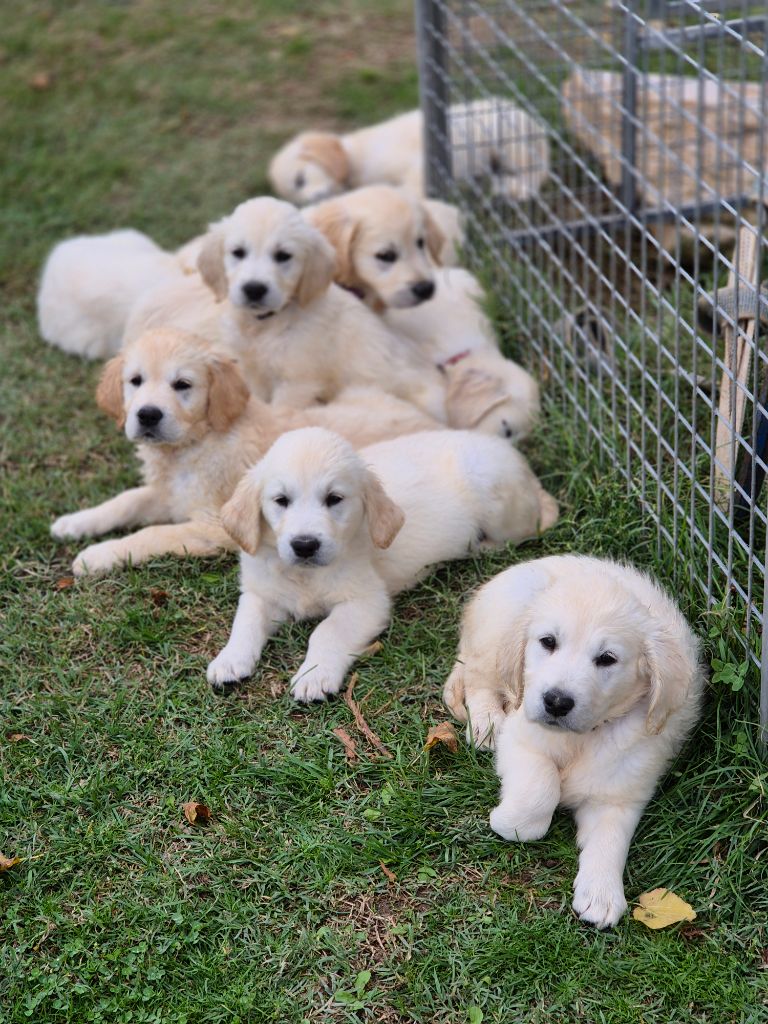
x,y
305,547
254,291
423,290
557,704
149,417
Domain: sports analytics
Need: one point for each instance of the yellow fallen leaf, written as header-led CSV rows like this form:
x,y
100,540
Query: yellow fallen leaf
x,y
6,863
196,814
443,733
661,908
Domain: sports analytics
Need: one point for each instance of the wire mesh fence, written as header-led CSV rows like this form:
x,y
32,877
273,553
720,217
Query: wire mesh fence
x,y
610,160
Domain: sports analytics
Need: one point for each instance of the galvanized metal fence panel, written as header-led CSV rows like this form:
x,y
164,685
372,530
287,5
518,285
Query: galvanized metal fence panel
x,y
633,274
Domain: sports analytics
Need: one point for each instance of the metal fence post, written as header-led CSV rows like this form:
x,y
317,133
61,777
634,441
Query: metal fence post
x,y
434,93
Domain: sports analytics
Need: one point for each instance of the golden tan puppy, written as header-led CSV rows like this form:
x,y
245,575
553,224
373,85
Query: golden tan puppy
x,y
330,533
588,679
383,240
197,429
492,140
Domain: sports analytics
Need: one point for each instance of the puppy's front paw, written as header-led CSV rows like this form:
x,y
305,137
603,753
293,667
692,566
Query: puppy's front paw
x,y
314,683
227,668
599,899
72,526
99,558
519,825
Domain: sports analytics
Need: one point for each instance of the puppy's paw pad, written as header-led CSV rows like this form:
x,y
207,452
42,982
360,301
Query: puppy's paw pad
x,y
313,685
96,559
225,670
600,903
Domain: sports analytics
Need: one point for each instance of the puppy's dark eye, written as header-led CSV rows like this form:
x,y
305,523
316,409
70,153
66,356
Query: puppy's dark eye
x,y
239,253
136,381
181,385
282,500
387,256
548,642
419,243
606,659
299,181
281,256
334,499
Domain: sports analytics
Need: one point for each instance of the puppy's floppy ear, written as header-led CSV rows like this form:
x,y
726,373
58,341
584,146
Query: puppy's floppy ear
x,y
210,262
228,393
510,660
241,515
471,394
434,237
670,663
326,150
318,270
332,221
385,518
109,393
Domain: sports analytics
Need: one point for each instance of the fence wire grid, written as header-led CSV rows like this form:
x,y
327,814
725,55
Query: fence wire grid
x,y
610,162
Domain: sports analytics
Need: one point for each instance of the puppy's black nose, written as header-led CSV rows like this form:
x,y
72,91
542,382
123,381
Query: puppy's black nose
x,y
254,291
149,415
305,547
423,290
557,703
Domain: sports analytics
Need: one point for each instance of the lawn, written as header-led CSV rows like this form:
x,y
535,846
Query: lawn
x,y
321,890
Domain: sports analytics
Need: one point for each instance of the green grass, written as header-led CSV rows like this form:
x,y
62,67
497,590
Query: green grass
x,y
163,116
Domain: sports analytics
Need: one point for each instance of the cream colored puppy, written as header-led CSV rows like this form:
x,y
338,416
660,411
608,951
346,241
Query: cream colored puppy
x,y
89,285
329,533
588,679
197,430
490,139
298,338
383,239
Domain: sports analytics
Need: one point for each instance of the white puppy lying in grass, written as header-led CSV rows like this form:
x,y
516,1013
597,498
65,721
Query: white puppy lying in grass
x,y
588,678
332,534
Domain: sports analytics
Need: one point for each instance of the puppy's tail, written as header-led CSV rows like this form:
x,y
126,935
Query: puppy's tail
x,y
549,510
454,692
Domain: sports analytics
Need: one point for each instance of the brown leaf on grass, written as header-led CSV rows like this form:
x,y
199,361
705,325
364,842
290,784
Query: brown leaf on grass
x,y
660,908
360,722
371,649
6,863
196,814
65,583
390,874
350,747
158,597
763,964
16,737
41,80
444,734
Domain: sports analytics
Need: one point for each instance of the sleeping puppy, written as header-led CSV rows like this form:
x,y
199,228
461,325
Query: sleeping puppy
x,y
384,239
491,139
329,533
298,338
588,679
197,429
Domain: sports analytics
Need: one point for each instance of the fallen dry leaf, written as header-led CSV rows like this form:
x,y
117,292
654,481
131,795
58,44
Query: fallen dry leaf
x,y
443,733
65,583
350,747
16,737
40,81
763,965
158,597
661,908
360,721
371,649
390,874
196,814
6,863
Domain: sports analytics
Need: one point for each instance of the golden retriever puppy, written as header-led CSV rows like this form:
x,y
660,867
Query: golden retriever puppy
x,y
490,139
326,532
383,239
588,679
197,430
89,285
297,337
